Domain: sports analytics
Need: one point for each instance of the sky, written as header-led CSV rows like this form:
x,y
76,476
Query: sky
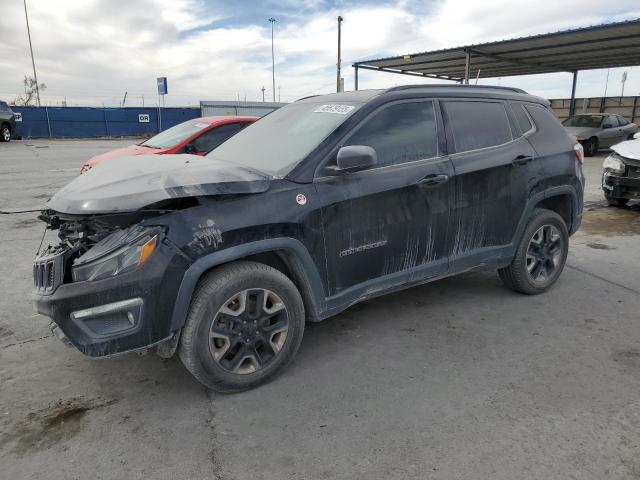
x,y
90,52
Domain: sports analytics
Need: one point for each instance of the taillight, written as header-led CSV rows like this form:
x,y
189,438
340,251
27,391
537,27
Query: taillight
x,y
579,151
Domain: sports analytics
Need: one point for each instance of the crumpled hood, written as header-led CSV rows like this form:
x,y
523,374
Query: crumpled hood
x,y
127,184
628,149
585,132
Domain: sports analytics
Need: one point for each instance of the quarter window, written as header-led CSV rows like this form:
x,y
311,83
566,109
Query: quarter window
x,y
477,124
611,121
623,121
522,119
400,133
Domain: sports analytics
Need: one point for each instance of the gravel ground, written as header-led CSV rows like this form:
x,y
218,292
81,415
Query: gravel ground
x,y
460,378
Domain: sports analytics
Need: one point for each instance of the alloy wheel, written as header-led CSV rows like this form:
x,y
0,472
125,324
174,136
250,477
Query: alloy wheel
x,y
544,254
6,134
248,331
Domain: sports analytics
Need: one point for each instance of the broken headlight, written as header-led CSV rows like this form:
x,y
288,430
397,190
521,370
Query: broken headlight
x,y
613,163
120,252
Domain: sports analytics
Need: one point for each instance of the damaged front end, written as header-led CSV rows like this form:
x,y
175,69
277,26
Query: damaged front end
x,y
109,282
621,171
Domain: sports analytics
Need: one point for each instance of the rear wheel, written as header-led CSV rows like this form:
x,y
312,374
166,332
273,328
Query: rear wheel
x,y
244,326
540,256
5,133
590,147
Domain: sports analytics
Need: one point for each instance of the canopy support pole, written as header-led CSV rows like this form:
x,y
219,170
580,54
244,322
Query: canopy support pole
x,y
355,66
467,66
572,103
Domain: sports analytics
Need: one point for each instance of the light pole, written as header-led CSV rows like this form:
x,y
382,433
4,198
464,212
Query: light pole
x,y
33,63
338,89
273,63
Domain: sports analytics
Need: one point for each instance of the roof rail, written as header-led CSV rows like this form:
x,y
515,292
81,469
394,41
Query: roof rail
x,y
441,85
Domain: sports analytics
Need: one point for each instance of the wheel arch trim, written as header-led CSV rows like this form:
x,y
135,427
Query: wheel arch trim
x,y
311,281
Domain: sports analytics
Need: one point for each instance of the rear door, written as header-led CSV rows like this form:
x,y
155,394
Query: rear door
x,y
612,132
388,223
493,164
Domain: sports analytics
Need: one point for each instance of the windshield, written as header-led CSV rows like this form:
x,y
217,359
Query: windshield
x,y
279,141
174,135
589,121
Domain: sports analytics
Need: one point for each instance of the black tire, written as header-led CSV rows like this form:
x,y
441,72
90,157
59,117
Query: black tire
x,y
616,202
215,292
517,275
5,133
590,147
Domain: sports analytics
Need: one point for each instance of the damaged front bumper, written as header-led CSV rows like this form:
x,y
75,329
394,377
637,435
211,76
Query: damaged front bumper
x,y
621,185
121,313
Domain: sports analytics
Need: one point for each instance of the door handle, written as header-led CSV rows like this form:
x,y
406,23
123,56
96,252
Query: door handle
x,y
522,159
433,180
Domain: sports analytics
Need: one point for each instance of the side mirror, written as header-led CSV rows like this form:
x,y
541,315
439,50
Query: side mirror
x,y
607,125
190,148
356,157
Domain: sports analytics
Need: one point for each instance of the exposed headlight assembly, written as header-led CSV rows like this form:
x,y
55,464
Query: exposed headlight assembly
x,y
120,252
613,163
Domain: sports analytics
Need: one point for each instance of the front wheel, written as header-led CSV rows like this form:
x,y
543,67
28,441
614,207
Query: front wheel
x,y
540,256
244,326
5,133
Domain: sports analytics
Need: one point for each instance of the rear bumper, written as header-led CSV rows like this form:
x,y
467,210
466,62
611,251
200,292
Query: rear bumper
x,y
120,314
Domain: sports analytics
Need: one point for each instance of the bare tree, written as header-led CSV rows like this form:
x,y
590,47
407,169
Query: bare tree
x,y
30,92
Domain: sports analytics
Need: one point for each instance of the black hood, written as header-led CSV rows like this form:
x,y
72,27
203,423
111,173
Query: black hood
x,y
127,184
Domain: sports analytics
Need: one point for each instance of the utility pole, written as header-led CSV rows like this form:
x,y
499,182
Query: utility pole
x,y
606,83
33,63
273,62
624,79
338,89
263,89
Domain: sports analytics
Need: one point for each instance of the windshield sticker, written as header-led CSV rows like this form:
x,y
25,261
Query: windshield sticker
x,y
339,109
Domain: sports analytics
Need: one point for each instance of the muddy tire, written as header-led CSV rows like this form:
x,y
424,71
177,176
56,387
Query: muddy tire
x,y
540,256
245,324
616,202
590,147
5,133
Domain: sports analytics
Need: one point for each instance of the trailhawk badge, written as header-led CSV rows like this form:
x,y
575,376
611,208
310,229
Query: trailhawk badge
x,y
301,199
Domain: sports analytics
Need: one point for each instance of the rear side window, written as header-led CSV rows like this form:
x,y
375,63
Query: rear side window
x,y
4,106
610,122
211,139
477,124
623,121
550,137
400,133
521,117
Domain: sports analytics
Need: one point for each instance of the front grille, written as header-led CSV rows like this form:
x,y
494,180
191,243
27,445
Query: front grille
x,y
48,272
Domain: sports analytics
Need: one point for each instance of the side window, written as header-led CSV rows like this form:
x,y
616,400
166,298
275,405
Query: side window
x,y
211,139
623,121
477,124
611,121
4,106
521,117
400,133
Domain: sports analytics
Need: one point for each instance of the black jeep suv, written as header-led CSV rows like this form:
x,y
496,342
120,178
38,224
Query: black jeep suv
x,y
7,122
321,204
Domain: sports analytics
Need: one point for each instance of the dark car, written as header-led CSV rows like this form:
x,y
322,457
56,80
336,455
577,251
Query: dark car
x,y
599,130
7,122
321,204
621,173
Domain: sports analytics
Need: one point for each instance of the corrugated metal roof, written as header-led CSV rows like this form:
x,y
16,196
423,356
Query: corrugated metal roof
x,y
599,46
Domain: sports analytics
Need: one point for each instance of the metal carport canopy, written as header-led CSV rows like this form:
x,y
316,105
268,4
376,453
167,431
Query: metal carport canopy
x,y
600,46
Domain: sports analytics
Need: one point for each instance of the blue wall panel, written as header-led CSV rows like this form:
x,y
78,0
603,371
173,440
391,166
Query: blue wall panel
x,y
86,122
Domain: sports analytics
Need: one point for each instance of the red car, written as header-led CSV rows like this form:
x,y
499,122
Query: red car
x,y
198,136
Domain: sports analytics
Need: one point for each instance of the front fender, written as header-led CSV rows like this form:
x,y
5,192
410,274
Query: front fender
x,y
312,280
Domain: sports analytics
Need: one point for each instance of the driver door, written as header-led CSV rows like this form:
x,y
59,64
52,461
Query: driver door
x,y
387,225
